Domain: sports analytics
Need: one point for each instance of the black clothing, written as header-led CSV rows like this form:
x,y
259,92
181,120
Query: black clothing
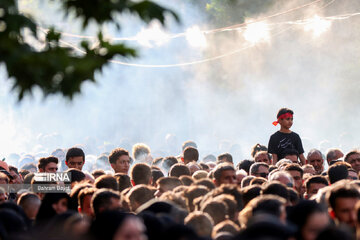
x,y
280,143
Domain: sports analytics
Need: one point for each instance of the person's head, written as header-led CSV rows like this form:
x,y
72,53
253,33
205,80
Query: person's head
x,y
263,156
107,181
285,117
342,199
84,201
51,205
110,225
353,157
165,184
315,158
337,172
310,218
97,173
48,164
75,158
313,184
246,181
139,195
224,173
16,177
283,177
259,169
307,168
178,170
257,148
141,153
245,165
190,154
240,174
275,188
76,175
201,222
186,180
119,160
225,157
123,181
297,174
192,193
292,155
216,209
140,174
167,162
188,143
226,226
193,167
333,154
105,199
30,203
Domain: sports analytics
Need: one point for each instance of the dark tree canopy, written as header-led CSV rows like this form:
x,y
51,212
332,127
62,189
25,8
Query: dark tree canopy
x,y
57,69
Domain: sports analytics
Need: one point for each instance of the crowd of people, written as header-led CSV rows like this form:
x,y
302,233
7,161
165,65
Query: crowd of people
x,y
281,193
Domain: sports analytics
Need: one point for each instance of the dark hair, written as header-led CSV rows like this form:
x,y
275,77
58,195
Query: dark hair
x,y
275,188
269,204
168,162
123,181
346,158
205,182
116,153
283,111
156,174
141,173
291,151
257,148
190,154
341,191
74,152
220,168
255,167
178,170
294,167
250,192
245,164
107,181
97,173
102,198
76,175
337,172
46,160
316,179
225,156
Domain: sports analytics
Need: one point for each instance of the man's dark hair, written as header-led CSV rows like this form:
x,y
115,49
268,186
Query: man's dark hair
x,y
168,162
116,153
76,175
270,204
346,158
342,191
331,154
141,173
250,192
337,172
102,198
205,182
245,164
107,181
255,167
74,152
316,179
97,173
283,111
123,181
186,180
275,188
179,169
46,160
190,154
220,168
188,143
294,167
12,168
257,148
156,174
225,157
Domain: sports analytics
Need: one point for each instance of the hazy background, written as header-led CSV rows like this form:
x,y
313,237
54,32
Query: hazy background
x,y
231,100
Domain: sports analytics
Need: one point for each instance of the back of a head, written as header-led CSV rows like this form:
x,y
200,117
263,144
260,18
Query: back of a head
x,y
178,170
216,209
250,192
169,182
140,152
268,204
275,188
201,222
141,173
107,181
257,148
139,195
168,162
76,175
102,199
190,154
188,143
337,172
245,164
123,181
225,157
